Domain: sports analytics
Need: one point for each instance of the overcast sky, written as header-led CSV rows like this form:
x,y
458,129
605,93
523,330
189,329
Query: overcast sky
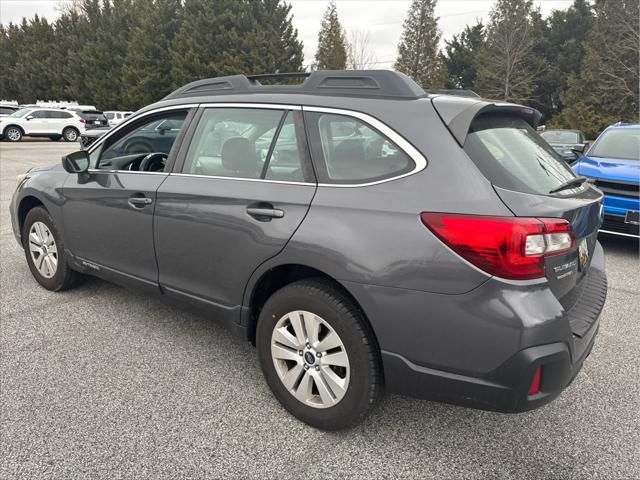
x,y
381,18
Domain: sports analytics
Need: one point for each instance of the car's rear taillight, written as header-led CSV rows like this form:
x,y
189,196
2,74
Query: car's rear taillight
x,y
508,247
82,120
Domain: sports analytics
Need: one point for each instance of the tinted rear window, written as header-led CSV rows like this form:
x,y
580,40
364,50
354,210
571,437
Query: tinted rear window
x,y
513,156
560,136
92,115
621,143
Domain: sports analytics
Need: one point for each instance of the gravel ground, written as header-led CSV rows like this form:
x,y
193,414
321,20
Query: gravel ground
x,y
101,382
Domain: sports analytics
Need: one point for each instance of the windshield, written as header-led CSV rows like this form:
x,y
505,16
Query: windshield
x,y
513,156
20,113
623,143
560,136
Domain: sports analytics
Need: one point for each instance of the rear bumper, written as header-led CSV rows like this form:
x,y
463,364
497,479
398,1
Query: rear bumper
x,y
505,387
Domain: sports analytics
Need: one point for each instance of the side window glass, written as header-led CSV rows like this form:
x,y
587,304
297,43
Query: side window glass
x,y
285,163
155,135
37,114
232,142
355,152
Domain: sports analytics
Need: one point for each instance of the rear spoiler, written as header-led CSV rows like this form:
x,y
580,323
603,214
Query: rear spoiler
x,y
457,113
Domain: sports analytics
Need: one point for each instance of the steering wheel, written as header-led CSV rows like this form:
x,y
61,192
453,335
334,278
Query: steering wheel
x,y
153,162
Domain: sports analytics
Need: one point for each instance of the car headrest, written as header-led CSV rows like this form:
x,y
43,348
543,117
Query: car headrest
x,y
349,153
239,155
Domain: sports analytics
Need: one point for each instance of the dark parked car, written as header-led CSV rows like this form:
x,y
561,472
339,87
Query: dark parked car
x,y
429,245
89,136
6,110
569,144
93,118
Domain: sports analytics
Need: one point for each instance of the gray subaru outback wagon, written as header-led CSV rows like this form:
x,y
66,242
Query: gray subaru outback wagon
x,y
365,235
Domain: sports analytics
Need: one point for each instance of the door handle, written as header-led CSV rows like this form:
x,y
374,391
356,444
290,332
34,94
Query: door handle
x,y
139,202
265,214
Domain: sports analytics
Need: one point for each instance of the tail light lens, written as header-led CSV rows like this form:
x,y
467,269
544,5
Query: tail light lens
x,y
507,247
82,120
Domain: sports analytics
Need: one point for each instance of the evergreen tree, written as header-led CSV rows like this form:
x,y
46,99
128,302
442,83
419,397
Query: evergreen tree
x,y
10,40
34,71
418,49
507,67
146,73
560,41
460,56
233,36
332,44
607,87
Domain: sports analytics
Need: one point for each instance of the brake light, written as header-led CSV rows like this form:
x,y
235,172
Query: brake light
x,y
535,383
82,120
507,247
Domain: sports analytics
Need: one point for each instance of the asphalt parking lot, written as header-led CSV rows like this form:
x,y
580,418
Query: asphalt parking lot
x,y
101,382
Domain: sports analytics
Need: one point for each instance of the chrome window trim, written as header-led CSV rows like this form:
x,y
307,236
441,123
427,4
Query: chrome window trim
x,y
240,178
98,170
413,153
273,106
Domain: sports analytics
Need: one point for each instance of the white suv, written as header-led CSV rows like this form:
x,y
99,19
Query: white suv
x,y
42,122
115,117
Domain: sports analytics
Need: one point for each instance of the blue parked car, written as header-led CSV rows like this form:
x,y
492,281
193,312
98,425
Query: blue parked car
x,y
613,165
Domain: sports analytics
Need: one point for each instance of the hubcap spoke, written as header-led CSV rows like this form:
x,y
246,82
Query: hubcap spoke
x,y
304,391
283,353
335,383
331,340
312,327
338,359
325,394
292,376
282,335
298,327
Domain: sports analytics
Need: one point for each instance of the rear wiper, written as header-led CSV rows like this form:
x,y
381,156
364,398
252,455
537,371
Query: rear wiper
x,y
574,182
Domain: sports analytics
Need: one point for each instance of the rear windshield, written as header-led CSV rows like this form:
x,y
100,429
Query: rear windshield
x,y
91,115
560,136
621,143
513,156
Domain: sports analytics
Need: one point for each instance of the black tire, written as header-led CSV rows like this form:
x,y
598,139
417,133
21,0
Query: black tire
x,y
13,133
365,386
70,134
64,277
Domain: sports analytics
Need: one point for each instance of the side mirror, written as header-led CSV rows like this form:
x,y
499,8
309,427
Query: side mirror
x,y
76,162
29,117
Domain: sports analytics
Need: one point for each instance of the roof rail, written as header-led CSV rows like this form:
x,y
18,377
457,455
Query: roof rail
x,y
348,83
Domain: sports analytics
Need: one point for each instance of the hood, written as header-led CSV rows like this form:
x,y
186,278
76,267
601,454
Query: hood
x,y
621,169
43,168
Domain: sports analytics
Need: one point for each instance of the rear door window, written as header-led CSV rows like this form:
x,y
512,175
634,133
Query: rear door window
x,y
512,155
352,151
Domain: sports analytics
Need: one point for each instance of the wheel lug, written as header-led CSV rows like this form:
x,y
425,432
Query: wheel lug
x,y
306,367
300,352
319,354
318,367
308,345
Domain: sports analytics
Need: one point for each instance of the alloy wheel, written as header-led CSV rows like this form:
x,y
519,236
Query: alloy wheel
x,y
310,359
13,134
42,247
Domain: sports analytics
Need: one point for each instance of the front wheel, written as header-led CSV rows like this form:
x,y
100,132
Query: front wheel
x,y
13,134
318,355
70,134
45,252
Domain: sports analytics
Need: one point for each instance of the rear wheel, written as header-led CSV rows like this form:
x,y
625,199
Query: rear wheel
x,y
70,134
318,355
13,134
45,252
